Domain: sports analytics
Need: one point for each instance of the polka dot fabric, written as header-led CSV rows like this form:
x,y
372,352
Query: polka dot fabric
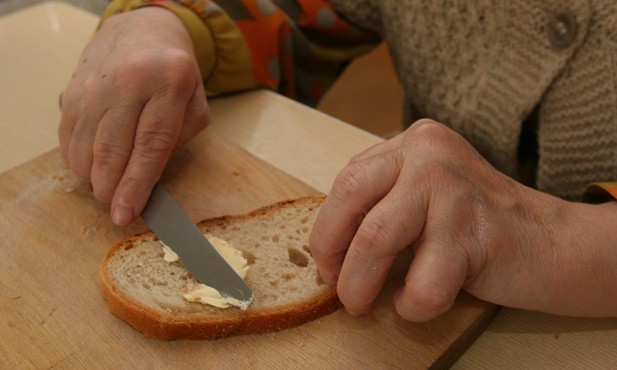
x,y
283,56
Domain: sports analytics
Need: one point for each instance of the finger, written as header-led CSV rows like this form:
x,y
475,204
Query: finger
x,y
65,129
382,148
390,226
112,149
396,142
433,281
155,139
80,153
356,189
196,115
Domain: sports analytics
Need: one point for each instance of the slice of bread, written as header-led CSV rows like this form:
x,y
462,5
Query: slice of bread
x,y
146,291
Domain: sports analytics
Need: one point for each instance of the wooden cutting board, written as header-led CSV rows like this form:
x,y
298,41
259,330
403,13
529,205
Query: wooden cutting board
x,y
54,236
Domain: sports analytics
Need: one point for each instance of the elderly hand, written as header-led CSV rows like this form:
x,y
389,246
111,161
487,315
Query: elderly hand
x,y
136,95
470,228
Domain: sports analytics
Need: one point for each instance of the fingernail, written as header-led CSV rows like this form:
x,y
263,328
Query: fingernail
x,y
122,216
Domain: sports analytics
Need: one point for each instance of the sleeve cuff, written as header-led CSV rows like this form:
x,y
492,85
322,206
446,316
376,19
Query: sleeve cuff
x,y
600,192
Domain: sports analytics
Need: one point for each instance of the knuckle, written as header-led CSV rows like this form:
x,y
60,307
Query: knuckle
x,y
433,133
427,126
89,84
348,182
181,63
424,122
373,239
424,304
109,156
356,159
174,67
154,144
136,184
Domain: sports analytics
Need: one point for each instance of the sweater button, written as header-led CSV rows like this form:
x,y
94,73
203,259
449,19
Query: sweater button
x,y
562,29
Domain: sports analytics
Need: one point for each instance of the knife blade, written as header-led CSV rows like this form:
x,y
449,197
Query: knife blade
x,y
175,228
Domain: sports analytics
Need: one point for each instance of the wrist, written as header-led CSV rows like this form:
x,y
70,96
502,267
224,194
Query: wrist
x,y
584,282
170,12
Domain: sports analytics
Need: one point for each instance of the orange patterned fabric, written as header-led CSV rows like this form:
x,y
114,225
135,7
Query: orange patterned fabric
x,y
266,31
296,47
289,42
269,33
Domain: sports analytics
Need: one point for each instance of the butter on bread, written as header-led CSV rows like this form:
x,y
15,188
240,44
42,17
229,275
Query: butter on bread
x,y
147,292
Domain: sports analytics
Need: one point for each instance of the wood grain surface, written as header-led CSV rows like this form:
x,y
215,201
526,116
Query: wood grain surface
x,y
43,324
55,236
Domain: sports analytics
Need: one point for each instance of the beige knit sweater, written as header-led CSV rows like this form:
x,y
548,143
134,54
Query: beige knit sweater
x,y
481,66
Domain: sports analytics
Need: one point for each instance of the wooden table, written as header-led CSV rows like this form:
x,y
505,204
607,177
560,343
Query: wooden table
x,y
40,46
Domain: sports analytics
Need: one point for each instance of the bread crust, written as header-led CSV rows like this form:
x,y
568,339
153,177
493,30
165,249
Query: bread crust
x,y
170,326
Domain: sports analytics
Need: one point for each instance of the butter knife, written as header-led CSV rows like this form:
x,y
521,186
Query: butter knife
x,y
175,228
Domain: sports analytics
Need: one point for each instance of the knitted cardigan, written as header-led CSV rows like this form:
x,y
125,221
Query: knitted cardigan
x,y
483,66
